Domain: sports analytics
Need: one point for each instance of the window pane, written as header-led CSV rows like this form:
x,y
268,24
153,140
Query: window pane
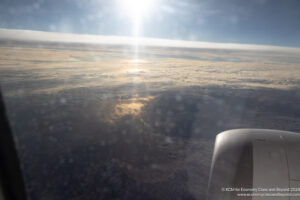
x,y
121,113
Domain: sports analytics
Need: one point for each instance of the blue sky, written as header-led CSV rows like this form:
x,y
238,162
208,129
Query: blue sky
x,y
271,22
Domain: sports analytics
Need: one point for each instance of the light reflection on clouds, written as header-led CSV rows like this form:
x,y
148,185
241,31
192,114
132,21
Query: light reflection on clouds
x,y
131,106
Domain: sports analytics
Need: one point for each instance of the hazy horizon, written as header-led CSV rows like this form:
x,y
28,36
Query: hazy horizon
x,y
50,36
265,22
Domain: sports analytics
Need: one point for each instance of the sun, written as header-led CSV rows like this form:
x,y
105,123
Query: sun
x,y
137,10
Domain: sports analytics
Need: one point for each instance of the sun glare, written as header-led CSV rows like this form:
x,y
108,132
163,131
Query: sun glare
x,y
136,10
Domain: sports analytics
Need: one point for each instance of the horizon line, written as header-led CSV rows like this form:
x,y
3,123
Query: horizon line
x,y
44,36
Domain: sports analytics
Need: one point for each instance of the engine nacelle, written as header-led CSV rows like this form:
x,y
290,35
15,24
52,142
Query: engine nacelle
x,y
255,164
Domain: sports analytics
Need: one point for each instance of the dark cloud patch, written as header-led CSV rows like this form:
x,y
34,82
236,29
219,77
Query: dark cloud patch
x,y
74,145
198,112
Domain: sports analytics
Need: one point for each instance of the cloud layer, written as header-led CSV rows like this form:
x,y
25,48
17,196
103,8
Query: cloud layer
x,y
110,121
40,36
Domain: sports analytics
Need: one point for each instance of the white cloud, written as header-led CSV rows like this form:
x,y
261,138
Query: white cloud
x,y
41,36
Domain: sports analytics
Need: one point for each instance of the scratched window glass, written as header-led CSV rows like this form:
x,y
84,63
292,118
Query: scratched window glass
x,y
123,99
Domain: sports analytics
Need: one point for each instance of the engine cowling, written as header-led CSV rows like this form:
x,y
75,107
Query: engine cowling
x,y
255,164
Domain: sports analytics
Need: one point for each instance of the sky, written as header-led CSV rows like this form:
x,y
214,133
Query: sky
x,y
267,22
